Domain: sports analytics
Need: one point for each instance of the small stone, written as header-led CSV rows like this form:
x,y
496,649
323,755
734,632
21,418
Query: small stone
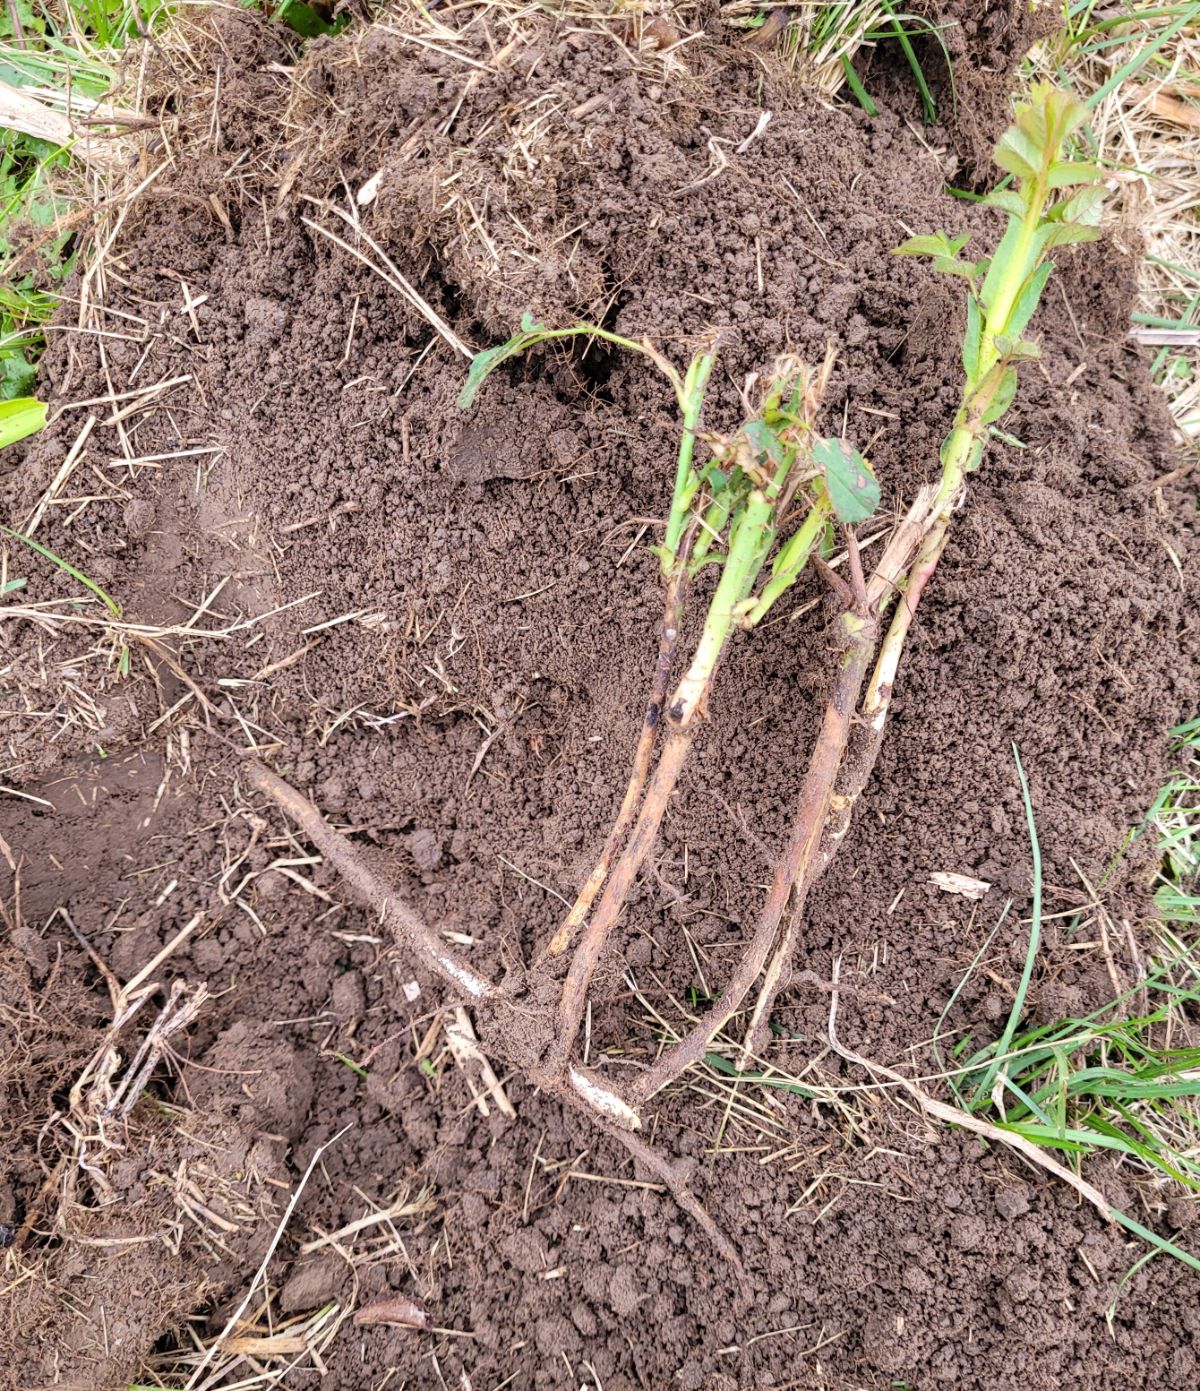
x,y
312,1283
1013,1202
583,1317
208,956
425,846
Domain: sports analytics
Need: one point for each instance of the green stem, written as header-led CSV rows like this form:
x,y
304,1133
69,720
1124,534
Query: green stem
x,y
792,559
1004,302
749,542
695,384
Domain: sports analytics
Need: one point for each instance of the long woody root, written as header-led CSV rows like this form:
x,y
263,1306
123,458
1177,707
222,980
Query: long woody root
x,y
643,755
579,1086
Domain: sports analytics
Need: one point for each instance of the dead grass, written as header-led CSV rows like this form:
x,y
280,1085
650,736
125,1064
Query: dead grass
x,y
1143,76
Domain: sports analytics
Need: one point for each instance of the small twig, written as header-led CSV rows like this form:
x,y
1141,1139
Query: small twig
x,y
683,1195
390,276
796,866
464,1044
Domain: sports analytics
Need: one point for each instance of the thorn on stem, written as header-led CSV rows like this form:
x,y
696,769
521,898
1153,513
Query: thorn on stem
x,y
843,592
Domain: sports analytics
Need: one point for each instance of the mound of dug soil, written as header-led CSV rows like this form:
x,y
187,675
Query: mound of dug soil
x,y
440,625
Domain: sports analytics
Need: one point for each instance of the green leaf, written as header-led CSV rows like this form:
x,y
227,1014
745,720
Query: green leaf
x,y
971,340
937,244
305,20
851,483
1083,206
1028,301
1017,349
484,363
1017,154
17,374
1002,263
716,479
1066,172
21,417
1052,234
969,270
1003,398
1008,199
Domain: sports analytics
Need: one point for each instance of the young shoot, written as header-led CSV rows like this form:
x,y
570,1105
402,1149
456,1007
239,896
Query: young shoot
x,y
773,483
1054,200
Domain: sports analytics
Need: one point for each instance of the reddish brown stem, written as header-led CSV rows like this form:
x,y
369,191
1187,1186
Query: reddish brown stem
x,y
858,764
641,771
587,955
793,872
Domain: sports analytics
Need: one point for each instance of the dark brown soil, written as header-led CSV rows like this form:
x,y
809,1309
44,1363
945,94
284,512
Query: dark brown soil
x,y
441,627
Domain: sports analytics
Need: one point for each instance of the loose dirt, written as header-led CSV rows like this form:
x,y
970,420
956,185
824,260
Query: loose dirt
x,y
441,625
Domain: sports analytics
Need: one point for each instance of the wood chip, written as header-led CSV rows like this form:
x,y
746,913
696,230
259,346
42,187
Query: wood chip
x,y
370,190
960,884
1169,108
394,1310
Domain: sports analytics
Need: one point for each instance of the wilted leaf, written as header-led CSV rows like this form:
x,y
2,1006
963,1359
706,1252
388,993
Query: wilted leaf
x,y
852,486
764,442
1003,397
484,363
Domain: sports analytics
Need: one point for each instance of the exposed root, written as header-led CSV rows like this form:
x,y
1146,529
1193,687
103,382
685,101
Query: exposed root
x,y
573,1001
800,856
414,934
408,928
669,1174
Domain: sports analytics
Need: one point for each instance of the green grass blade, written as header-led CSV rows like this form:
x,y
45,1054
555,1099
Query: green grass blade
x,y
1160,1243
854,82
66,567
760,1079
1141,57
1035,934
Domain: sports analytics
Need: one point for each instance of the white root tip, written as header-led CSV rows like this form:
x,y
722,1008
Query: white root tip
x,y
607,1103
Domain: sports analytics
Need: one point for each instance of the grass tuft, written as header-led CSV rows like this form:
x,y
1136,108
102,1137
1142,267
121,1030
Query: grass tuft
x,y
1137,67
1125,1078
